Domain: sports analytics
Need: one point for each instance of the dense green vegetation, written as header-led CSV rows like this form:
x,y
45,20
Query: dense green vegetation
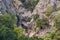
x,y
49,10
29,19
55,33
40,22
35,17
6,28
30,4
9,31
51,35
57,20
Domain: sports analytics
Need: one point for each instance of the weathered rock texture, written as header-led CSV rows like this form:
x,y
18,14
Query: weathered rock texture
x,y
16,7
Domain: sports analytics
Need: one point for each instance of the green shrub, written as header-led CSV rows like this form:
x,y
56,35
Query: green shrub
x,y
35,17
7,28
9,31
42,22
57,9
57,20
28,19
49,10
6,20
54,34
30,4
30,38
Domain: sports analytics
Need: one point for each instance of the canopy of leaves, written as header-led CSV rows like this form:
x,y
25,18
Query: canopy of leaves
x,y
57,20
9,31
42,22
30,38
53,35
35,17
49,10
6,20
30,4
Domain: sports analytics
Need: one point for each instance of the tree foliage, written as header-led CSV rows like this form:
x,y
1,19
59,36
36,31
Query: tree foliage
x,y
35,17
9,31
57,20
49,10
42,22
53,35
30,4
6,20
6,28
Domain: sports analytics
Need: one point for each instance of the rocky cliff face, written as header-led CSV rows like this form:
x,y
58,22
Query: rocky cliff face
x,y
17,7
13,6
6,6
44,4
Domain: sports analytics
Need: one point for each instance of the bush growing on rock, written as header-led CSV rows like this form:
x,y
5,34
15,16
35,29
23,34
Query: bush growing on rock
x,y
30,4
42,22
49,10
